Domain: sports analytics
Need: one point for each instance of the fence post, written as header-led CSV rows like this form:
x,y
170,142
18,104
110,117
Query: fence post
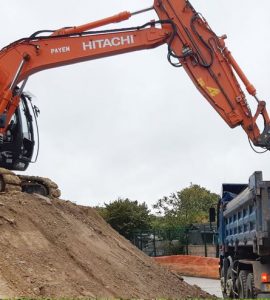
x,y
204,240
154,244
141,245
186,234
134,238
169,243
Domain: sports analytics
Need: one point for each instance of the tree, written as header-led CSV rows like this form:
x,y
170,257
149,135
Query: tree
x,y
125,216
190,205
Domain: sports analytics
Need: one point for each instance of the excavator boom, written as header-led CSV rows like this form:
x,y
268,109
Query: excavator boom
x,y
191,42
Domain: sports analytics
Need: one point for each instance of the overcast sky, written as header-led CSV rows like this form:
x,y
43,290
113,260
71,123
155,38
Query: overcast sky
x,y
132,125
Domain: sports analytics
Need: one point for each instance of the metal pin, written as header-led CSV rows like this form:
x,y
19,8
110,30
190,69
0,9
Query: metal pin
x,y
257,99
142,11
22,86
14,81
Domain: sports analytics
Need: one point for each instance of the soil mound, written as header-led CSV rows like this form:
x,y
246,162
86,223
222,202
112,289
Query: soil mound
x,y
54,248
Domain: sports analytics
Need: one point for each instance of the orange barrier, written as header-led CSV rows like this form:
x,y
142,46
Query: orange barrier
x,y
189,265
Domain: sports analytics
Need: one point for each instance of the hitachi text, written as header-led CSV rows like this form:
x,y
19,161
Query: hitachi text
x,y
113,42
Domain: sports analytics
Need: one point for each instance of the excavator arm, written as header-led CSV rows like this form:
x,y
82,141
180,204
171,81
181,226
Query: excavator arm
x,y
191,44
212,68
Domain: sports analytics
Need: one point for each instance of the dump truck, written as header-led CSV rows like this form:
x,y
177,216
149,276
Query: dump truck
x,y
243,219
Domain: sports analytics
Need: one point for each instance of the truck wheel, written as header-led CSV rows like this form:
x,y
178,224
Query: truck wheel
x,y
242,284
222,282
229,284
250,292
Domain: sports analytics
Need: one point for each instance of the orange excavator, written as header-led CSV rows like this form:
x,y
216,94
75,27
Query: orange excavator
x,y
192,44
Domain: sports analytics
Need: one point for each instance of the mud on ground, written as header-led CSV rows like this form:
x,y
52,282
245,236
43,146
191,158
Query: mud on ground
x,y
54,248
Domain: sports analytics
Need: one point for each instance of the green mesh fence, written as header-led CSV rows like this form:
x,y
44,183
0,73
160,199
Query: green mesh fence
x,y
195,240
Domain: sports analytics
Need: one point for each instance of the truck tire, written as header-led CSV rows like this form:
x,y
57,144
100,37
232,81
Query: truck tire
x,y
242,284
222,282
229,283
250,292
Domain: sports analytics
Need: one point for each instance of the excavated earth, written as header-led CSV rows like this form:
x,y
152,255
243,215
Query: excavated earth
x,y
55,248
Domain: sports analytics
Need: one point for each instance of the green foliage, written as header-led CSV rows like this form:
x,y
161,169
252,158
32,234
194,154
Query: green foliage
x,y
126,216
102,211
190,205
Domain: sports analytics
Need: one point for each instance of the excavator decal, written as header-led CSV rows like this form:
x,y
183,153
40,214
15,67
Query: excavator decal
x,y
63,49
113,42
213,91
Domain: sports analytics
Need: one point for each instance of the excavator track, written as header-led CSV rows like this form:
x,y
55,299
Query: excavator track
x,y
39,185
10,182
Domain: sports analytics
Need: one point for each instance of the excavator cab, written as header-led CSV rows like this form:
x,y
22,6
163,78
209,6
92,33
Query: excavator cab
x,y
17,147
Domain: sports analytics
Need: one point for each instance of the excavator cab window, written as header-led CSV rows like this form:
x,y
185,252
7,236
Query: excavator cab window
x,y
26,125
17,148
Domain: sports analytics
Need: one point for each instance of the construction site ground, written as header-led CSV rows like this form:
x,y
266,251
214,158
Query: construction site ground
x,y
55,248
212,286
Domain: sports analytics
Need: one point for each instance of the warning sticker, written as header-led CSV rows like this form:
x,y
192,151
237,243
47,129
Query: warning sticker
x,y
212,91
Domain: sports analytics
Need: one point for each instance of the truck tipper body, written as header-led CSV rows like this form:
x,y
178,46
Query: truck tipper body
x,y
244,238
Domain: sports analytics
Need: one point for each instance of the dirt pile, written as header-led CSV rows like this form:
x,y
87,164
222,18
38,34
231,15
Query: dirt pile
x,y
54,248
